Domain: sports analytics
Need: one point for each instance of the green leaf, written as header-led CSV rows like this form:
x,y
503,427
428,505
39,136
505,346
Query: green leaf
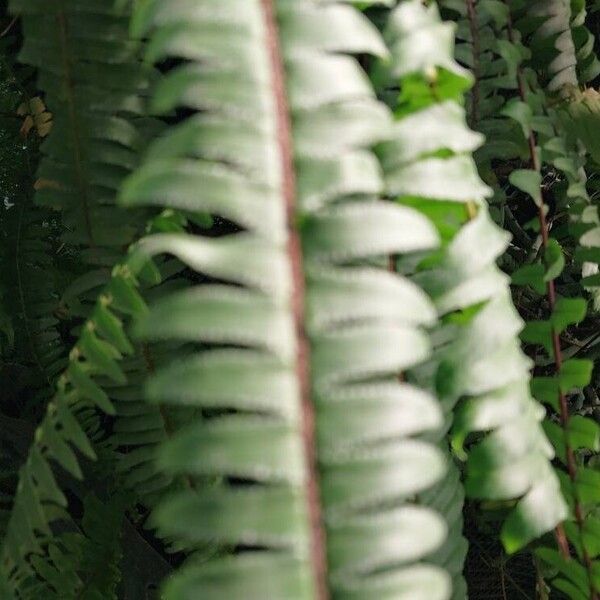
x,y
227,379
453,178
247,516
587,484
243,447
568,311
353,231
88,389
556,435
59,449
102,356
125,297
220,314
575,373
538,332
554,260
529,182
546,389
111,328
573,571
532,275
584,433
46,481
356,542
521,113
249,575
591,281
72,429
570,589
512,58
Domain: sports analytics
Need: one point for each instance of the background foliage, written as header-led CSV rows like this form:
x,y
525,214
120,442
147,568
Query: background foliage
x,y
299,299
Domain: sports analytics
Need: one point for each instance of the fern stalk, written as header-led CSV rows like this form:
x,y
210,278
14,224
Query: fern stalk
x,y
78,158
285,143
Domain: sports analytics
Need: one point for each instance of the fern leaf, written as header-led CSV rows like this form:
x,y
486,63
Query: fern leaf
x,y
250,441
463,279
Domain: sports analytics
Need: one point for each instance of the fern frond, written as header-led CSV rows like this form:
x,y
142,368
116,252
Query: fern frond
x,y
246,454
94,84
480,359
552,41
549,150
39,501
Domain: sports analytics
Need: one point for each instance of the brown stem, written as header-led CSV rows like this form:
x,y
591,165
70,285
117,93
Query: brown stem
x,y
475,93
78,155
542,594
7,29
558,360
284,139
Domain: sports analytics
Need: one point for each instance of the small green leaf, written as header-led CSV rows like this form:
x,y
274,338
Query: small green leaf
x,y
45,478
554,260
511,55
521,113
126,298
584,433
539,511
101,356
575,373
59,449
592,280
546,389
587,484
538,332
568,311
88,389
72,429
591,535
111,328
150,273
570,589
530,182
532,275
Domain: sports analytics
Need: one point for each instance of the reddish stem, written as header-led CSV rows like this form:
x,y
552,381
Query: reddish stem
x,y
285,141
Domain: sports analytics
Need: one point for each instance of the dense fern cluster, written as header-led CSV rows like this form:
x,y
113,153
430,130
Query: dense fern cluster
x,y
298,299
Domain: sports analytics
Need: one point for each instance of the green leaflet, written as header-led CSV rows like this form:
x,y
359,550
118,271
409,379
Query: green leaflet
x,y
530,182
